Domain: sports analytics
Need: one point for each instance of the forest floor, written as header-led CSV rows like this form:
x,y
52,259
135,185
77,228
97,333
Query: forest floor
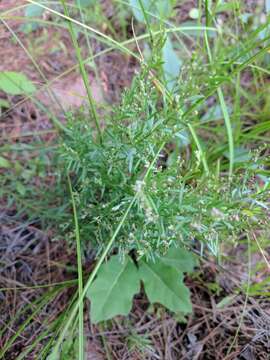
x,y
33,262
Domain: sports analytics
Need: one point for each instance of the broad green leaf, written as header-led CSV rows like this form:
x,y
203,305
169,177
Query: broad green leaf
x,y
214,113
267,6
159,8
4,163
85,3
245,17
53,356
33,10
224,6
4,104
226,301
183,138
240,155
20,188
112,292
264,33
164,285
180,259
14,83
136,8
164,8
171,63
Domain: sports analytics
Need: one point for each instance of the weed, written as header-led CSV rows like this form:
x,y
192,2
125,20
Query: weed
x,y
181,164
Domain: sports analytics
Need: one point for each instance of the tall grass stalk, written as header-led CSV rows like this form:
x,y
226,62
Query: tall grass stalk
x,y
83,72
80,271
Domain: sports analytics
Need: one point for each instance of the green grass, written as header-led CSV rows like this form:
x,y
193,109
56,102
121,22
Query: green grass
x,y
178,162
80,271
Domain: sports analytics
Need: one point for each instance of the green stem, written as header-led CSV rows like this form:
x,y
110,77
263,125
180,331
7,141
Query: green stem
x,y
223,106
80,272
197,142
145,15
82,71
101,259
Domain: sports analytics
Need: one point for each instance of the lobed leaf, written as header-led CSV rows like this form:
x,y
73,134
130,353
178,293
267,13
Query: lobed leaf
x,y
112,292
163,284
179,259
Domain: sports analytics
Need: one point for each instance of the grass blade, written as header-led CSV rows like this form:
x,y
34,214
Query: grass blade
x,y
83,72
80,272
229,129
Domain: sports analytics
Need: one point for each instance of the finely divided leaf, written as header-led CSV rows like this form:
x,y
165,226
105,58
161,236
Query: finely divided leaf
x,y
163,284
180,259
14,83
112,292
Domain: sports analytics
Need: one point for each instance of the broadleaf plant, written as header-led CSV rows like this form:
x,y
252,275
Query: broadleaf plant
x,y
112,292
171,63
179,259
32,11
164,284
14,83
148,5
85,3
160,10
117,282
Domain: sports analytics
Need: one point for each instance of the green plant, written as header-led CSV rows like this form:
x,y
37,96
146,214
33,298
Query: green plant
x,y
179,204
156,188
14,83
32,11
162,279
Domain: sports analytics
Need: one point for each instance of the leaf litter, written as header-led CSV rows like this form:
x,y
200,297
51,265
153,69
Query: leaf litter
x,y
148,332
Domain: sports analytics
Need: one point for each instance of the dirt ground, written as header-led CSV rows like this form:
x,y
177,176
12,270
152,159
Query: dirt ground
x,y
50,60
206,334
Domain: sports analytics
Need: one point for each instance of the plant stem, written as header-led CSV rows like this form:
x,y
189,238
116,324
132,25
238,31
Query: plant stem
x,y
83,72
101,259
80,272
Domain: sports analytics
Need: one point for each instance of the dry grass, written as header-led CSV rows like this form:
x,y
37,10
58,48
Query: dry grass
x,y
30,259
146,333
